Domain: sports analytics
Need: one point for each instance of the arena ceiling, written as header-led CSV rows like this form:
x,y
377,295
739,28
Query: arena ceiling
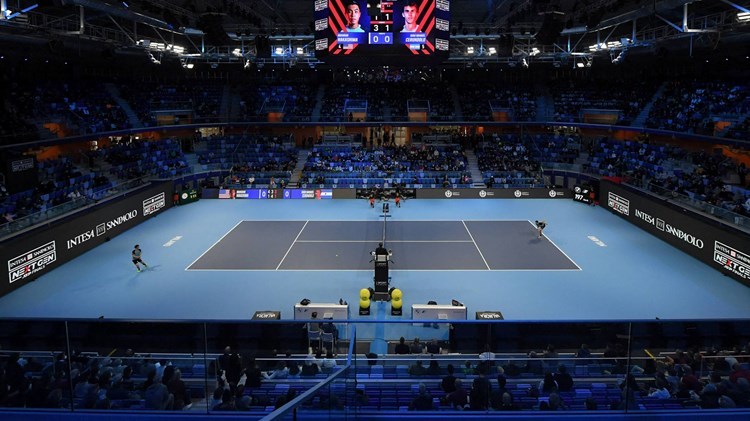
x,y
226,24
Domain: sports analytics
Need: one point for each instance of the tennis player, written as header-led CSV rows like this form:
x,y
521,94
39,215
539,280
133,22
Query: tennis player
x,y
137,258
540,226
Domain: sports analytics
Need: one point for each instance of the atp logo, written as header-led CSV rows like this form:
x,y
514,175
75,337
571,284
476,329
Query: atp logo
x,y
517,193
448,194
482,193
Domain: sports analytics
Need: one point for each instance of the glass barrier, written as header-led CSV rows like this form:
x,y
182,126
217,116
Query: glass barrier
x,y
36,218
277,369
693,202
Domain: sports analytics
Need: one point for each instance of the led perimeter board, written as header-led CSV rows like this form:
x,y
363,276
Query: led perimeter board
x,y
377,32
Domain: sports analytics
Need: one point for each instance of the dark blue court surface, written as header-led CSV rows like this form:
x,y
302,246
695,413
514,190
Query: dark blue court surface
x,y
416,245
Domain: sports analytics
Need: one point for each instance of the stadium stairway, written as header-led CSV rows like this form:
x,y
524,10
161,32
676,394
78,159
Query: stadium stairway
x,y
230,104
114,92
456,101
315,115
473,166
640,121
297,172
191,159
545,104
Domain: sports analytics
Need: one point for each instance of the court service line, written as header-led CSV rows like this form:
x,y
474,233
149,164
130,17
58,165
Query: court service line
x,y
475,245
292,245
214,244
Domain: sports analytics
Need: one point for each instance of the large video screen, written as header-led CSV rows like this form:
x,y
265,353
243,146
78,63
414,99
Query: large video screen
x,y
403,32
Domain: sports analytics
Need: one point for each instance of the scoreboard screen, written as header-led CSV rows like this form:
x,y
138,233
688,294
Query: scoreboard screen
x,y
379,32
275,194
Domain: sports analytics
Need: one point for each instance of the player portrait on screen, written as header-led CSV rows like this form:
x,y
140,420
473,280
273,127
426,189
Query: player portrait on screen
x,y
353,14
411,10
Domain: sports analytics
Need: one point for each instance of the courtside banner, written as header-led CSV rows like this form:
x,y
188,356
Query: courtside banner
x,y
520,193
34,254
719,246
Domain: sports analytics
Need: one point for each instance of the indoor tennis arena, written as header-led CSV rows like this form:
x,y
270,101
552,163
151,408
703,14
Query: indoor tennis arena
x,y
238,209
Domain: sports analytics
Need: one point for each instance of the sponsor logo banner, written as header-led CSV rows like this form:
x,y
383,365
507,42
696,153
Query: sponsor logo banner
x,y
66,239
100,229
662,225
719,245
489,315
153,204
489,193
31,262
444,5
267,315
732,259
618,203
321,5
22,165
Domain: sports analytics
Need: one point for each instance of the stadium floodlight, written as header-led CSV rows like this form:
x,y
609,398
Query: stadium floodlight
x,y
492,51
300,51
743,17
10,14
469,50
247,65
534,51
237,52
279,51
524,63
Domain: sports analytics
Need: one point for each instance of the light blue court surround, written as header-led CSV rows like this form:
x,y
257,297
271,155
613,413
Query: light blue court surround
x,y
635,276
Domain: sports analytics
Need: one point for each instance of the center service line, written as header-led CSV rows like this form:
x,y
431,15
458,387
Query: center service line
x,y
290,247
475,245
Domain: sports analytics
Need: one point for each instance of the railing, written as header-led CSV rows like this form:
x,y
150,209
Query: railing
x,y
47,215
693,203
614,375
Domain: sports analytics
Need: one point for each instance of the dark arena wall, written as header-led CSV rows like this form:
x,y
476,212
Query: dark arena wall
x,y
717,245
46,248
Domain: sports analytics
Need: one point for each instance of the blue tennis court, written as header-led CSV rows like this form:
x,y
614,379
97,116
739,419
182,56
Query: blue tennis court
x,y
416,245
591,264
